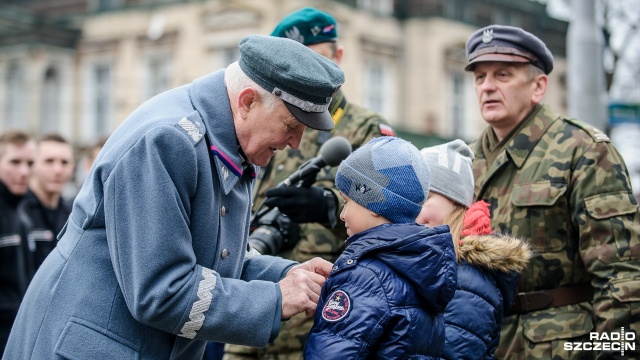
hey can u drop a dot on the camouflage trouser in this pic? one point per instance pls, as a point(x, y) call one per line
point(543, 334)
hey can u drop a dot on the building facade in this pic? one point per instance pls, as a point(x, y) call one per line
point(81, 66)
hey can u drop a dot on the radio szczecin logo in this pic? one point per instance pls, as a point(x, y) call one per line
point(615, 341)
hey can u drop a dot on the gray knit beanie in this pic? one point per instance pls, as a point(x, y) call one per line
point(451, 174)
point(388, 176)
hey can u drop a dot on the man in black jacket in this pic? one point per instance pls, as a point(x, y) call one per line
point(44, 205)
point(16, 158)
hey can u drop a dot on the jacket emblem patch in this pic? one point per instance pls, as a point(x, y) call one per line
point(337, 306)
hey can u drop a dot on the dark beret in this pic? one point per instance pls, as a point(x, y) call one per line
point(508, 44)
point(307, 26)
point(305, 80)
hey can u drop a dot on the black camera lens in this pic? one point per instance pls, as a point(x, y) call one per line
point(266, 239)
point(276, 233)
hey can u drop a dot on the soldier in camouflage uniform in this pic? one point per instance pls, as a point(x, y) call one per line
point(561, 184)
point(318, 31)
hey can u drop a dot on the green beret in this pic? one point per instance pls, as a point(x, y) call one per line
point(508, 44)
point(307, 26)
point(305, 80)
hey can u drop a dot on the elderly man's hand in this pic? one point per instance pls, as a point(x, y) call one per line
point(301, 287)
point(316, 265)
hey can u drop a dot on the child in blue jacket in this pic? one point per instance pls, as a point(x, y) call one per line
point(489, 264)
point(388, 289)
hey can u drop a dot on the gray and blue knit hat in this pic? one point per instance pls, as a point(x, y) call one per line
point(388, 176)
point(451, 173)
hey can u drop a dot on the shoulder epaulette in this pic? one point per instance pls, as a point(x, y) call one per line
point(194, 128)
point(596, 134)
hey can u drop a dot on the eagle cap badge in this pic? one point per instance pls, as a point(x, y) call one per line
point(487, 36)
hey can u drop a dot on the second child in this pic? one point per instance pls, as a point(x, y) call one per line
point(387, 291)
point(488, 264)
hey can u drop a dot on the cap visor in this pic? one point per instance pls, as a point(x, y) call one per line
point(314, 120)
point(496, 57)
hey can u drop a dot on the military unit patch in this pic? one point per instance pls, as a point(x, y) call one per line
point(295, 34)
point(386, 130)
point(328, 28)
point(337, 306)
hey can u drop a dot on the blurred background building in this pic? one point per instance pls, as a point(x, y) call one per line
point(81, 66)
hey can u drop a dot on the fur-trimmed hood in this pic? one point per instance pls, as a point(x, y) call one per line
point(488, 275)
point(495, 252)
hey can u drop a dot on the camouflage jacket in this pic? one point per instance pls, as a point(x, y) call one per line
point(356, 124)
point(561, 184)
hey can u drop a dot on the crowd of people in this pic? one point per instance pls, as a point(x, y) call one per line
point(509, 247)
point(34, 176)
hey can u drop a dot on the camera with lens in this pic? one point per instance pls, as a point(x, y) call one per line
point(273, 233)
point(271, 230)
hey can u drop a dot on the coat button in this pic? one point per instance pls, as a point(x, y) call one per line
point(223, 211)
point(224, 253)
point(334, 268)
point(277, 92)
point(225, 173)
point(349, 262)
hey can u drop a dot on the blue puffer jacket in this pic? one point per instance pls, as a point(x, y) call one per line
point(385, 296)
point(488, 275)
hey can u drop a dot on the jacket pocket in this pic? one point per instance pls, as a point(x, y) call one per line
point(547, 333)
point(607, 214)
point(626, 290)
point(81, 340)
point(540, 214)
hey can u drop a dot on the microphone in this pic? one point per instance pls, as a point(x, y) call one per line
point(332, 152)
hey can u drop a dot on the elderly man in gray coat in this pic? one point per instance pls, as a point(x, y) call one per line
point(154, 259)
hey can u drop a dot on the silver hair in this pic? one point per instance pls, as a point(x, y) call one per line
point(235, 79)
point(533, 71)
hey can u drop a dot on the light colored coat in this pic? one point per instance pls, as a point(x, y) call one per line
point(154, 257)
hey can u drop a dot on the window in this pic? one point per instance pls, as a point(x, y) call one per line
point(158, 75)
point(15, 111)
point(453, 10)
point(375, 84)
point(230, 55)
point(50, 106)
point(380, 7)
point(457, 104)
point(501, 16)
point(106, 4)
point(463, 100)
point(101, 101)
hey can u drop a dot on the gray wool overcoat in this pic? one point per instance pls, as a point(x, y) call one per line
point(154, 258)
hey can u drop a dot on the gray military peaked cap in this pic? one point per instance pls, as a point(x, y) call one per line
point(508, 44)
point(305, 80)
